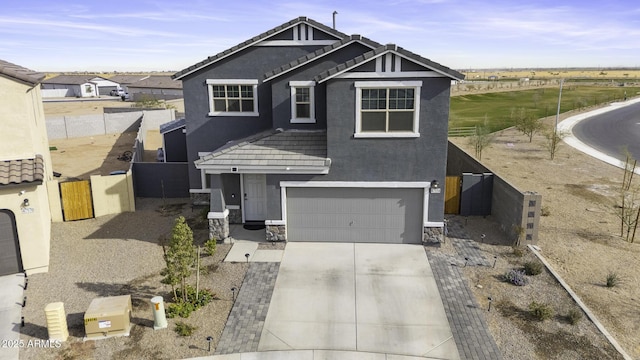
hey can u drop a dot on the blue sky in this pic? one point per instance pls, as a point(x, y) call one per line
point(89, 35)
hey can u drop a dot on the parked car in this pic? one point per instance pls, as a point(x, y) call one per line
point(117, 92)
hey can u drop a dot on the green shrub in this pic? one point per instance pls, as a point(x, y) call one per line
point(193, 303)
point(540, 311)
point(612, 279)
point(518, 251)
point(516, 277)
point(210, 246)
point(574, 316)
point(532, 268)
point(184, 329)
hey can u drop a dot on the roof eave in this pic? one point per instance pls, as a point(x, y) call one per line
point(264, 169)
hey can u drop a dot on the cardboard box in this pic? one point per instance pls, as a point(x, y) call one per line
point(108, 316)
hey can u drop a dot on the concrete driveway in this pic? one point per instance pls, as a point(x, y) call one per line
point(377, 298)
point(11, 292)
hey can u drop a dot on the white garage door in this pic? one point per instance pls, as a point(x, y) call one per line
point(365, 215)
point(10, 262)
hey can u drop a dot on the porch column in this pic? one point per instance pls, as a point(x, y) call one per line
point(218, 214)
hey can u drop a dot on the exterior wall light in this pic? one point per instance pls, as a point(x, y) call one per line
point(435, 187)
point(25, 202)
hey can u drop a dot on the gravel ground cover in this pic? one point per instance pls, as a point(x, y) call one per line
point(120, 255)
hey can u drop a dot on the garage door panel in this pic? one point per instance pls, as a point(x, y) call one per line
point(375, 215)
point(10, 262)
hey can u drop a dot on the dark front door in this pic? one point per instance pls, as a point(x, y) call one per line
point(10, 259)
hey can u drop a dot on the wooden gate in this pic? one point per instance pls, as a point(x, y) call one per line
point(452, 195)
point(76, 200)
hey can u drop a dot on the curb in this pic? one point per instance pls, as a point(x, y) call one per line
point(582, 305)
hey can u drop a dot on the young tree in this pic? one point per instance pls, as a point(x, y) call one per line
point(481, 139)
point(554, 138)
point(526, 123)
point(629, 209)
point(180, 256)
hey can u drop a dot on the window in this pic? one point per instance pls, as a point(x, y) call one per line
point(233, 97)
point(302, 102)
point(387, 108)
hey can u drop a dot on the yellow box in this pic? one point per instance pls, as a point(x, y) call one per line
point(108, 316)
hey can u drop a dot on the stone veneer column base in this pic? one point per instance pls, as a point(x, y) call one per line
point(219, 228)
point(276, 233)
point(432, 236)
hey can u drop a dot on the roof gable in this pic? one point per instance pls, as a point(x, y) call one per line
point(319, 54)
point(382, 51)
point(301, 29)
point(20, 73)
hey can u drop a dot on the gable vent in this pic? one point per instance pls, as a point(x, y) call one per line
point(302, 32)
point(389, 63)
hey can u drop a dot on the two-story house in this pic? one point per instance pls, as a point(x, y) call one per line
point(320, 135)
point(25, 168)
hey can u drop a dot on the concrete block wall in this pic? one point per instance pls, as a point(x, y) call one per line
point(513, 209)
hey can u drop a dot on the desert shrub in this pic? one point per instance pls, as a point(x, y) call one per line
point(184, 329)
point(574, 316)
point(532, 268)
point(518, 251)
point(193, 302)
point(540, 311)
point(516, 277)
point(612, 279)
point(544, 211)
point(210, 246)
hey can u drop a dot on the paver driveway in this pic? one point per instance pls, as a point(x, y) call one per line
point(378, 298)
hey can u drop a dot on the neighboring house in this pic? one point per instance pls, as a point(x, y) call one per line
point(174, 141)
point(320, 135)
point(77, 86)
point(126, 80)
point(25, 167)
point(156, 87)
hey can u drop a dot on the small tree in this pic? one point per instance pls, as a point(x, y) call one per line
point(526, 123)
point(554, 138)
point(629, 209)
point(180, 257)
point(481, 139)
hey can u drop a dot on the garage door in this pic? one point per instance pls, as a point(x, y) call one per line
point(10, 262)
point(366, 215)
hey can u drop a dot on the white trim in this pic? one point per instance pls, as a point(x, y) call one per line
point(232, 207)
point(199, 191)
point(364, 135)
point(217, 214)
point(383, 75)
point(309, 33)
point(416, 85)
point(295, 33)
point(232, 82)
point(437, 224)
point(425, 206)
point(312, 104)
point(387, 84)
point(275, 222)
point(261, 169)
point(397, 60)
point(297, 42)
point(203, 181)
point(240, 82)
point(317, 57)
point(358, 184)
point(379, 65)
point(388, 62)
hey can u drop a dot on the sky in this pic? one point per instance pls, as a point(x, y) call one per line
point(160, 35)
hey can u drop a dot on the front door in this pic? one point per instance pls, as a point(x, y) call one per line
point(255, 197)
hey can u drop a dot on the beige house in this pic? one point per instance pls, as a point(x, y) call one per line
point(25, 170)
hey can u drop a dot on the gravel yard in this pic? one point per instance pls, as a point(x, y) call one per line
point(120, 255)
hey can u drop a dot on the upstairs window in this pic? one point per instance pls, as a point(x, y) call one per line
point(233, 97)
point(387, 109)
point(302, 101)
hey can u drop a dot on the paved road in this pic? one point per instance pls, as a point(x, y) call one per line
point(610, 131)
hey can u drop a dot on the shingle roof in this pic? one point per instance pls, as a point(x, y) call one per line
point(69, 79)
point(172, 125)
point(157, 82)
point(273, 148)
point(22, 171)
point(319, 53)
point(127, 79)
point(384, 49)
point(20, 73)
point(255, 39)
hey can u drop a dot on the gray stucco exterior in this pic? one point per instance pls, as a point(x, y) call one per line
point(387, 162)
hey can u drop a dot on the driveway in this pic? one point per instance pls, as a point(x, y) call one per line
point(379, 298)
point(11, 292)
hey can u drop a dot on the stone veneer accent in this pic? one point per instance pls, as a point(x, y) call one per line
point(276, 233)
point(235, 216)
point(432, 235)
point(219, 228)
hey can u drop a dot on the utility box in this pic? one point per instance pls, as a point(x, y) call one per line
point(108, 316)
point(56, 321)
